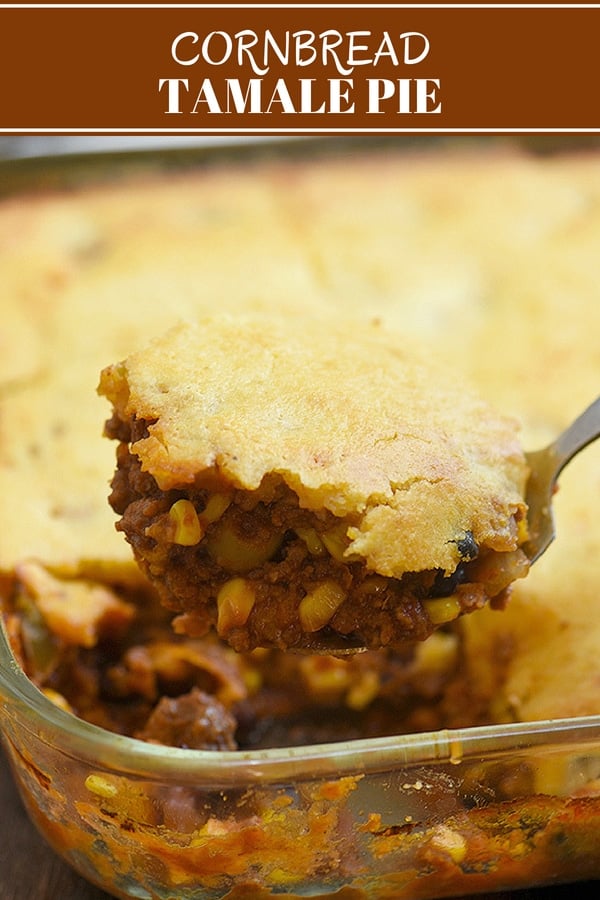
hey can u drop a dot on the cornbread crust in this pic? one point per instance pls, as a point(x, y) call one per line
point(358, 427)
point(484, 251)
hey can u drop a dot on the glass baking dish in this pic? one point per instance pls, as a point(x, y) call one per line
point(427, 815)
point(424, 815)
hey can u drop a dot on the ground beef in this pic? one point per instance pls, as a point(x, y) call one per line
point(260, 544)
point(148, 682)
point(195, 721)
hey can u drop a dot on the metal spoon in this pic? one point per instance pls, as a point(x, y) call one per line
point(545, 465)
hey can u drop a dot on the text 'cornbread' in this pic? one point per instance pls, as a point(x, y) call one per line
point(281, 479)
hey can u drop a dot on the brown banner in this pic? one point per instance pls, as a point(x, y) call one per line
point(290, 69)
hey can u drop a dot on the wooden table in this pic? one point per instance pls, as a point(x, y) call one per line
point(29, 870)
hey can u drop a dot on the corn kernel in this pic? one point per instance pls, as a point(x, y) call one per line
point(235, 602)
point(100, 786)
point(336, 541)
point(442, 609)
point(281, 876)
point(450, 842)
point(188, 530)
point(57, 699)
point(437, 654)
point(522, 530)
point(253, 680)
point(325, 676)
point(319, 605)
point(313, 542)
point(364, 691)
point(239, 553)
point(215, 507)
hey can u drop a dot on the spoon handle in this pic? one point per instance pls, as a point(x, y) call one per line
point(545, 467)
point(578, 435)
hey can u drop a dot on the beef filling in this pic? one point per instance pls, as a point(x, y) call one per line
point(265, 572)
point(194, 721)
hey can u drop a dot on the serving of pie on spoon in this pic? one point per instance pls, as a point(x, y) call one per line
point(312, 486)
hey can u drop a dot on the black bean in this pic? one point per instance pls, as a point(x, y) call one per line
point(444, 585)
point(467, 546)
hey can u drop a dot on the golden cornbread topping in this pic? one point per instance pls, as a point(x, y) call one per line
point(283, 480)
